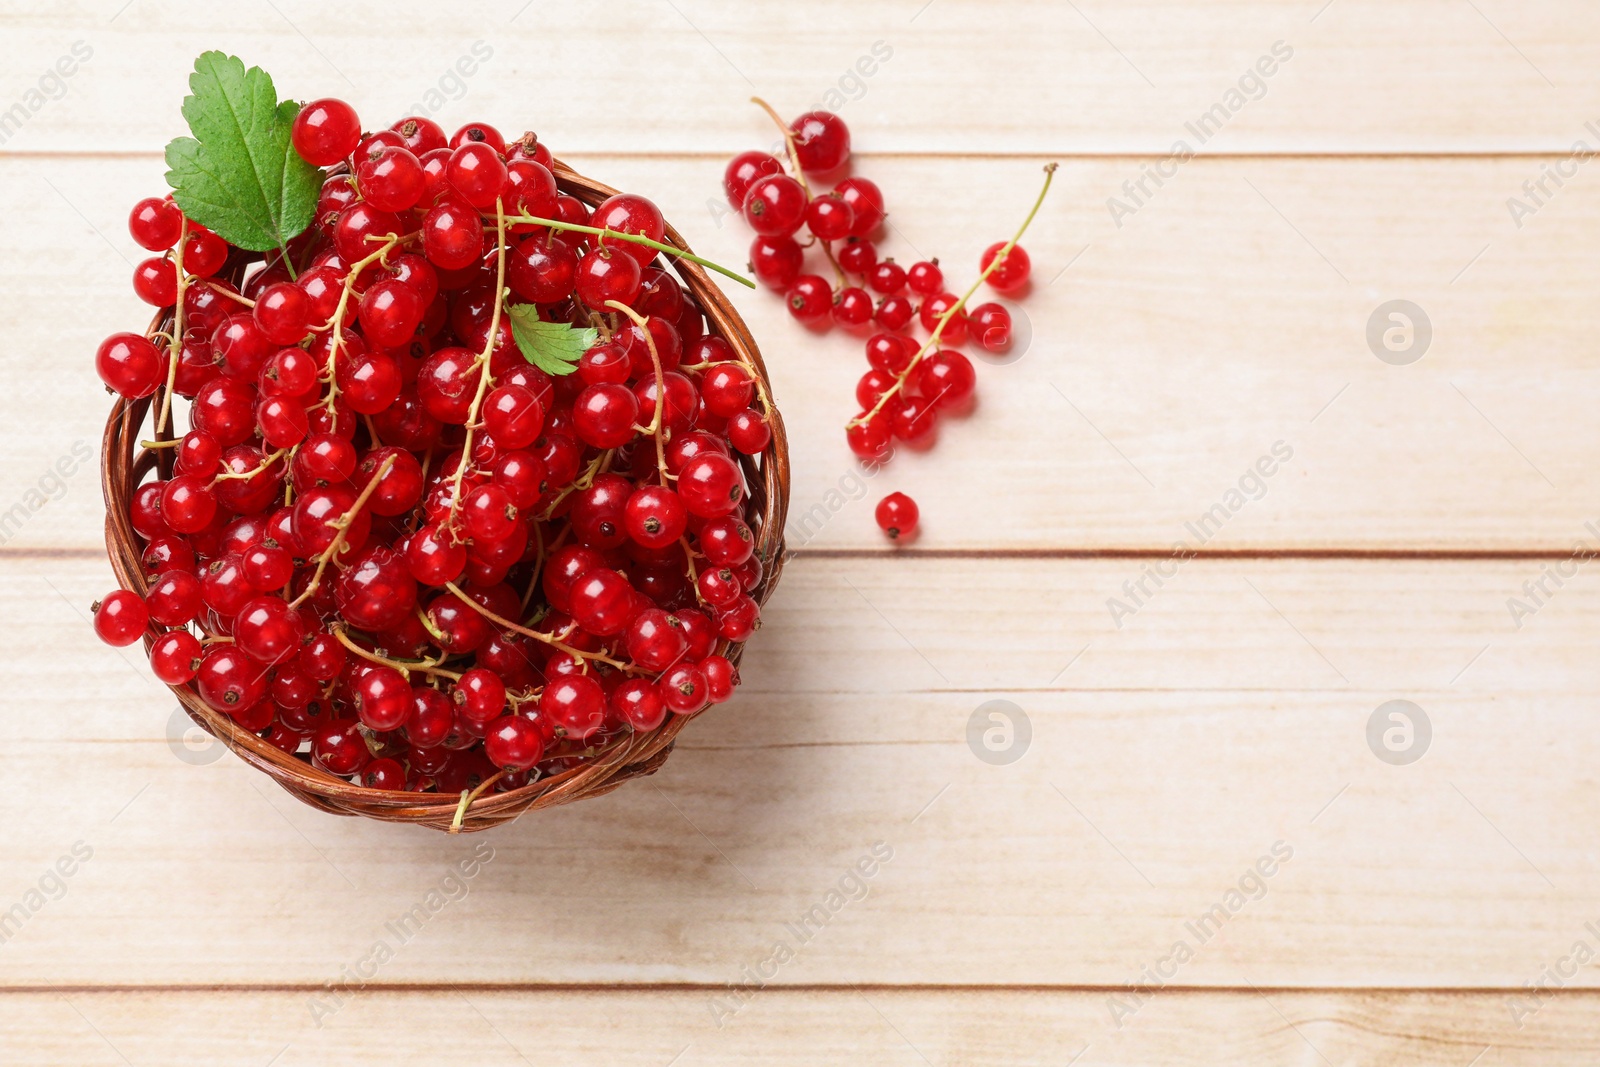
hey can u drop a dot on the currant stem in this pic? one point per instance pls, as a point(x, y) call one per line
point(404, 666)
point(556, 225)
point(342, 524)
point(481, 364)
point(336, 323)
point(654, 429)
point(553, 642)
point(955, 309)
point(175, 347)
point(788, 140)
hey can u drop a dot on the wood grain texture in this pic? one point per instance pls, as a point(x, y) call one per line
point(1171, 355)
point(1165, 761)
point(784, 1027)
point(1365, 75)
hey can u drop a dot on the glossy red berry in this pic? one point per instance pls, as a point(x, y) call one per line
point(604, 415)
point(268, 629)
point(749, 432)
point(604, 276)
point(630, 213)
point(887, 277)
point(1012, 273)
point(121, 618)
point(946, 379)
point(866, 201)
point(325, 132)
point(742, 172)
point(925, 278)
point(934, 309)
point(776, 261)
point(684, 689)
point(513, 742)
point(990, 326)
point(830, 218)
point(340, 748)
point(129, 364)
point(655, 640)
point(722, 678)
point(452, 236)
point(852, 307)
point(391, 179)
point(638, 703)
point(283, 313)
point(155, 281)
point(822, 141)
point(710, 485)
point(175, 657)
point(858, 256)
point(810, 298)
point(775, 205)
point(574, 704)
point(477, 173)
point(655, 516)
point(174, 598)
point(155, 223)
point(897, 516)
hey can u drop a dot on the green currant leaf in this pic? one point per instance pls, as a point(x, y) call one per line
point(553, 347)
point(239, 175)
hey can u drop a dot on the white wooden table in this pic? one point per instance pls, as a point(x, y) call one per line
point(208, 918)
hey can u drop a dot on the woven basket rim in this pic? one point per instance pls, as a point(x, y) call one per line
point(124, 466)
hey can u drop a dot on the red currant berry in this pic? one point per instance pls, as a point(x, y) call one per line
point(858, 256)
point(887, 277)
point(776, 261)
point(530, 189)
point(480, 132)
point(726, 389)
point(934, 309)
point(268, 629)
point(391, 179)
point(362, 230)
point(514, 743)
point(722, 678)
point(204, 252)
point(155, 281)
point(710, 485)
point(477, 172)
point(810, 298)
point(655, 516)
point(897, 516)
point(383, 698)
point(121, 618)
point(431, 717)
point(726, 542)
point(1012, 273)
point(230, 681)
point(683, 689)
point(129, 364)
point(830, 218)
point(739, 620)
point(718, 587)
point(775, 205)
point(188, 504)
point(914, 420)
point(340, 748)
point(283, 313)
point(852, 307)
point(603, 276)
point(386, 774)
point(390, 313)
point(946, 379)
point(925, 278)
point(749, 432)
point(655, 640)
point(376, 591)
point(866, 201)
point(435, 557)
point(990, 325)
point(602, 602)
point(155, 223)
point(268, 566)
point(638, 703)
point(894, 314)
point(743, 171)
point(575, 704)
point(174, 598)
point(420, 134)
point(514, 416)
point(890, 353)
point(629, 213)
point(452, 236)
point(542, 269)
point(603, 416)
point(175, 657)
point(323, 657)
point(290, 372)
point(325, 132)
point(868, 438)
point(872, 386)
point(821, 140)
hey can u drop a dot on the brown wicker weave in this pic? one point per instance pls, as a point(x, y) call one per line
point(125, 465)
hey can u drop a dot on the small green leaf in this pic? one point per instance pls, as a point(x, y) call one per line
point(239, 175)
point(553, 347)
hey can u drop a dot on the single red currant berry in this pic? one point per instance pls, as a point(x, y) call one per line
point(155, 223)
point(810, 298)
point(866, 201)
point(420, 134)
point(432, 716)
point(739, 620)
point(268, 629)
point(230, 681)
point(604, 276)
point(897, 516)
point(530, 189)
point(386, 774)
point(167, 553)
point(743, 171)
point(914, 420)
point(869, 438)
point(602, 602)
point(934, 309)
point(542, 269)
point(490, 514)
point(726, 542)
point(174, 598)
point(391, 179)
point(514, 416)
point(655, 516)
point(990, 325)
point(852, 307)
point(821, 140)
point(323, 657)
point(749, 432)
point(575, 704)
point(858, 256)
point(895, 313)
point(710, 485)
point(121, 618)
point(188, 504)
point(722, 678)
point(925, 278)
point(603, 416)
point(513, 742)
point(1013, 270)
point(638, 703)
point(268, 566)
point(655, 640)
point(776, 261)
point(946, 379)
point(390, 313)
point(477, 172)
point(155, 281)
point(290, 372)
point(683, 689)
point(282, 421)
point(340, 748)
point(775, 205)
point(376, 592)
point(718, 587)
point(829, 218)
point(283, 313)
point(435, 557)
point(204, 252)
point(480, 132)
point(522, 475)
point(872, 386)
point(129, 364)
point(175, 657)
point(887, 277)
point(383, 698)
point(630, 213)
point(452, 236)
point(726, 388)
point(890, 353)
point(325, 132)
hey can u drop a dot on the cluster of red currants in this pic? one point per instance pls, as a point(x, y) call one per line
point(909, 384)
point(392, 543)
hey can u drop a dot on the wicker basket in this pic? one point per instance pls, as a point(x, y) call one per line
point(125, 465)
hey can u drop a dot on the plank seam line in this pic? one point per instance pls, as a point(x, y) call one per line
point(847, 988)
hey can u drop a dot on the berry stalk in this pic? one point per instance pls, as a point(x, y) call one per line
point(932, 343)
point(556, 226)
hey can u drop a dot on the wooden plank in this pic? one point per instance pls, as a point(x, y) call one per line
point(779, 1026)
point(1170, 358)
point(1362, 75)
point(1165, 762)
